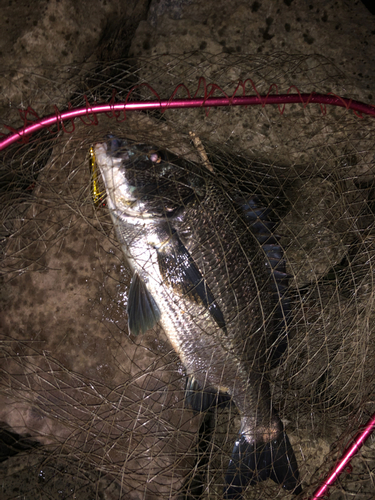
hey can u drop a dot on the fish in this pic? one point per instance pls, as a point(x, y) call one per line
point(206, 267)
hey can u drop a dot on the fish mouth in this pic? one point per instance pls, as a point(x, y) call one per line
point(120, 198)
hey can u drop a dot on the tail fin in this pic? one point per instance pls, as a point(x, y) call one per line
point(254, 462)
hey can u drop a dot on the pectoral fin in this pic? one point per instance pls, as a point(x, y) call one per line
point(179, 270)
point(143, 312)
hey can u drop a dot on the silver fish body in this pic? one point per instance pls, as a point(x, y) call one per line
point(200, 272)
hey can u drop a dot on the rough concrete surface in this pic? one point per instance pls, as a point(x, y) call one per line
point(108, 408)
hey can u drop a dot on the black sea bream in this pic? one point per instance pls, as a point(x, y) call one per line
point(201, 273)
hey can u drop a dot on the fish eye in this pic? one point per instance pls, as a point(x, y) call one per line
point(155, 158)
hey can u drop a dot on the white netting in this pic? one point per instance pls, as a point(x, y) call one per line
point(108, 407)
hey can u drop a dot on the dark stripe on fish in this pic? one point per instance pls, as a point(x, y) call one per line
point(180, 272)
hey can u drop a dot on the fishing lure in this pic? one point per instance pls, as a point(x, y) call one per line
point(98, 196)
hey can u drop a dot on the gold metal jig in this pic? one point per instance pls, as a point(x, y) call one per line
point(97, 195)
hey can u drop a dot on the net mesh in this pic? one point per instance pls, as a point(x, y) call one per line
point(107, 407)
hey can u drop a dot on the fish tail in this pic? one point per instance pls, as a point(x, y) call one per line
point(253, 462)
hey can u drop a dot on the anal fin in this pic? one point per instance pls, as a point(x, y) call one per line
point(202, 399)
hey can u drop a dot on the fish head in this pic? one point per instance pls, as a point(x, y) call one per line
point(144, 181)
